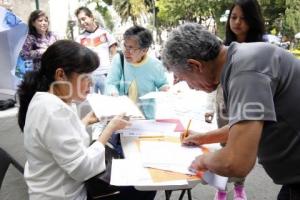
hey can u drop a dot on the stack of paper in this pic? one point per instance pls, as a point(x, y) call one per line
point(169, 156)
point(215, 180)
point(177, 158)
point(154, 95)
point(131, 172)
point(108, 106)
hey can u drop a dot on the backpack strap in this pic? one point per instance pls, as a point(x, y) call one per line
point(122, 67)
point(122, 60)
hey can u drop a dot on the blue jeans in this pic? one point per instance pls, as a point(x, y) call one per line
point(99, 83)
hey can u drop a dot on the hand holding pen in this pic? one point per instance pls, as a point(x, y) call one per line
point(185, 134)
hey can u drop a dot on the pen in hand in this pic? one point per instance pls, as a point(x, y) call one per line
point(186, 132)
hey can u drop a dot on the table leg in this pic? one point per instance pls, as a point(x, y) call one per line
point(168, 194)
point(182, 194)
point(189, 194)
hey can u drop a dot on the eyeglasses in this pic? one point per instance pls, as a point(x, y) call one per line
point(130, 50)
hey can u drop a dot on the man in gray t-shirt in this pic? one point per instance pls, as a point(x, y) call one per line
point(260, 83)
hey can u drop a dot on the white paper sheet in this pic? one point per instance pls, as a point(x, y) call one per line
point(148, 128)
point(154, 95)
point(108, 106)
point(126, 172)
point(215, 180)
point(172, 93)
point(168, 155)
point(174, 157)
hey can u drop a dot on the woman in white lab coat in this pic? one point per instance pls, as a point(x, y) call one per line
point(59, 155)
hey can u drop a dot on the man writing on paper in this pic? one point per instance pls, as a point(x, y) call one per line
point(259, 82)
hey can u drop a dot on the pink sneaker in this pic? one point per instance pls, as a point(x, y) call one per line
point(220, 195)
point(239, 193)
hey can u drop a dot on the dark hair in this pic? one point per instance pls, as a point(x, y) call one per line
point(143, 36)
point(86, 10)
point(68, 55)
point(254, 19)
point(34, 16)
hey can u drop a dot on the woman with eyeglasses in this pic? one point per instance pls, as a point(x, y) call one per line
point(140, 74)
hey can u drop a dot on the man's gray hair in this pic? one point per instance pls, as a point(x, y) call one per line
point(189, 41)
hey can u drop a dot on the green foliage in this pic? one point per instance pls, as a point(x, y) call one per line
point(130, 9)
point(106, 16)
point(138, 7)
point(123, 8)
point(103, 11)
point(292, 18)
point(280, 15)
point(218, 9)
point(108, 2)
point(171, 12)
point(273, 11)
